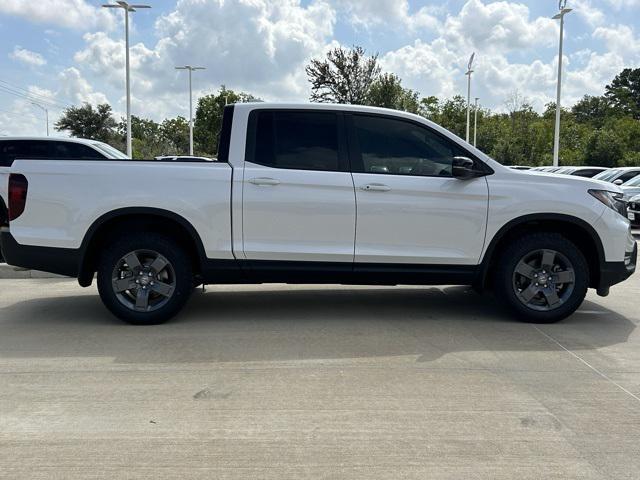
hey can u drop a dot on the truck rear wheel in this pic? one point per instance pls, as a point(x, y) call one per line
point(543, 277)
point(144, 279)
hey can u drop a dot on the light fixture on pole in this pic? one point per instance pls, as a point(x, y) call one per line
point(127, 9)
point(468, 74)
point(46, 114)
point(562, 6)
point(475, 122)
point(191, 70)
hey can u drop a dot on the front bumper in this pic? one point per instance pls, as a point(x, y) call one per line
point(63, 261)
point(612, 273)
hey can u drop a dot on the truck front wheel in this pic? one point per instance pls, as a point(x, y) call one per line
point(543, 277)
point(144, 279)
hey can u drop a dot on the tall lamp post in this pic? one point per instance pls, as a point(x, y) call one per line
point(46, 114)
point(562, 6)
point(468, 74)
point(475, 122)
point(191, 69)
point(127, 9)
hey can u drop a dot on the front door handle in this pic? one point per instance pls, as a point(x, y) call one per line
point(376, 187)
point(264, 181)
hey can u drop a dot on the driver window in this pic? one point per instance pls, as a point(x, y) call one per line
point(396, 147)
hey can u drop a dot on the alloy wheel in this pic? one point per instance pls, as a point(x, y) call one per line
point(143, 280)
point(543, 280)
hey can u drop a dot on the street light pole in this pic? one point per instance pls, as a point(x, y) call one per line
point(191, 69)
point(468, 74)
point(127, 8)
point(475, 122)
point(46, 114)
point(556, 139)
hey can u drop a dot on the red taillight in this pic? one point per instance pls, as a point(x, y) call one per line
point(18, 187)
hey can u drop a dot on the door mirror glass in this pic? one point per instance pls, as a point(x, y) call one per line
point(464, 168)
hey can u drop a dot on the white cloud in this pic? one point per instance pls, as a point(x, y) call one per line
point(259, 46)
point(430, 68)
point(620, 39)
point(498, 26)
point(592, 15)
point(76, 14)
point(76, 88)
point(620, 4)
point(27, 57)
point(390, 13)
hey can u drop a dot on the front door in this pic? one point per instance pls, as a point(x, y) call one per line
point(410, 208)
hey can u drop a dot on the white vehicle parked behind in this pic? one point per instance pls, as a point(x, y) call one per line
point(320, 194)
point(12, 148)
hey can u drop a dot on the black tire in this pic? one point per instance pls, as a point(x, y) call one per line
point(167, 290)
point(551, 300)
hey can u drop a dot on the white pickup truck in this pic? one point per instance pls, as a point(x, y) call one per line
point(319, 194)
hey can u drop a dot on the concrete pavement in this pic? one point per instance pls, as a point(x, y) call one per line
point(280, 382)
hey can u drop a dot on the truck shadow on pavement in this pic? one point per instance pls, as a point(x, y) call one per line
point(270, 325)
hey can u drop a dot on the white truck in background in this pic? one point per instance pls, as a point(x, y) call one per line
point(313, 194)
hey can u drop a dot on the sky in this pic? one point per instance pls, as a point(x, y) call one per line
point(65, 52)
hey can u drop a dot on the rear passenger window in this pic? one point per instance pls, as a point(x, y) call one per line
point(74, 151)
point(296, 140)
point(11, 150)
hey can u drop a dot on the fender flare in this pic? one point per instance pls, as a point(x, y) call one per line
point(85, 276)
point(489, 254)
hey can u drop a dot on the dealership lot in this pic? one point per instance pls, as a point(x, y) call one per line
point(280, 382)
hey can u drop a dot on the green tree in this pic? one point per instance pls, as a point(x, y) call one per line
point(208, 121)
point(387, 92)
point(452, 115)
point(592, 110)
point(603, 148)
point(86, 122)
point(344, 76)
point(175, 132)
point(430, 108)
point(147, 139)
point(624, 92)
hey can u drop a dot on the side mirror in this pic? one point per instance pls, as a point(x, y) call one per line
point(618, 182)
point(463, 168)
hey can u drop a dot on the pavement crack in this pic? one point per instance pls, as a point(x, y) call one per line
point(594, 369)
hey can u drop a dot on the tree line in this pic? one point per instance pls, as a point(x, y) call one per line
point(598, 130)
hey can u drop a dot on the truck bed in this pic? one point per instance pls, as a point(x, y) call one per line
point(73, 194)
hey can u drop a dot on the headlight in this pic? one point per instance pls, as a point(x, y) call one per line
point(613, 200)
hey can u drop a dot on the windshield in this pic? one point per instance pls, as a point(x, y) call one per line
point(607, 175)
point(110, 152)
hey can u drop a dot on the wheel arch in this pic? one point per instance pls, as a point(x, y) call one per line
point(575, 229)
point(139, 219)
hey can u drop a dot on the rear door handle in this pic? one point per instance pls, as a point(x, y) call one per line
point(264, 181)
point(376, 187)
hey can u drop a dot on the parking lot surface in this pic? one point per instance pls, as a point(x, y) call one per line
point(281, 382)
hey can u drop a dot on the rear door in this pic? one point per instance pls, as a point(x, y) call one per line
point(298, 196)
point(410, 208)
